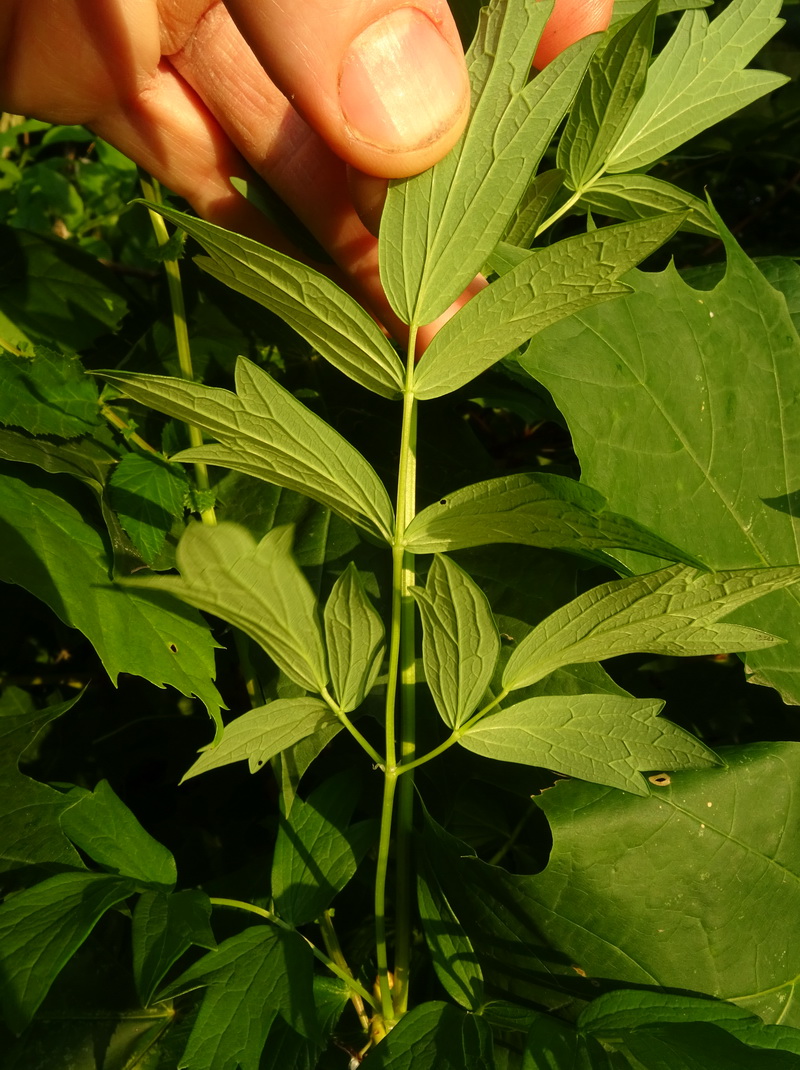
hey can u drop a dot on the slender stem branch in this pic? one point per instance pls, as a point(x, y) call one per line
point(152, 192)
point(116, 421)
point(381, 949)
point(406, 509)
point(454, 737)
point(351, 728)
point(344, 974)
point(334, 949)
point(568, 204)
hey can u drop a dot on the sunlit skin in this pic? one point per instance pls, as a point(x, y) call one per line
point(310, 94)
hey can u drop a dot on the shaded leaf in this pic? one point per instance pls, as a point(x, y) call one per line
point(287, 1048)
point(438, 228)
point(553, 1044)
point(436, 1036)
point(148, 636)
point(250, 979)
point(105, 829)
point(319, 310)
point(317, 851)
point(262, 733)
point(88, 459)
point(605, 739)
point(257, 587)
point(354, 638)
point(47, 393)
point(698, 79)
point(672, 611)
point(164, 927)
point(460, 643)
point(553, 283)
point(533, 207)
point(148, 494)
point(41, 929)
point(29, 811)
point(532, 509)
point(265, 432)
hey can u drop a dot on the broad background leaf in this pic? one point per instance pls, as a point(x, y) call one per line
point(47, 393)
point(436, 1036)
point(687, 389)
point(164, 926)
point(52, 551)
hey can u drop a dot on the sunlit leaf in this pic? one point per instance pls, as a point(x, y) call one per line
point(354, 638)
point(265, 432)
point(605, 739)
point(262, 733)
point(672, 611)
point(460, 643)
point(641, 196)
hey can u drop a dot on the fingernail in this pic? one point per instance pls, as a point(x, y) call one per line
point(401, 85)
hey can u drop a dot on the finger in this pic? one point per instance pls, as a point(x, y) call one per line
point(385, 86)
point(571, 20)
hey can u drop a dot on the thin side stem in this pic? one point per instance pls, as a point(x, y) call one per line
point(121, 425)
point(384, 843)
point(152, 192)
point(454, 737)
point(351, 728)
point(334, 949)
point(345, 975)
point(568, 204)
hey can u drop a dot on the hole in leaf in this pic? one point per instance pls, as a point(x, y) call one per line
point(173, 648)
point(662, 779)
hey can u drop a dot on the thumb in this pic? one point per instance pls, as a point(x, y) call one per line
point(385, 86)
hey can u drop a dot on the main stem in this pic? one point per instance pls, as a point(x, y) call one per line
point(400, 746)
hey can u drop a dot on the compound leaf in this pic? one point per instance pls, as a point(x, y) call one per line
point(438, 228)
point(547, 286)
point(699, 78)
point(460, 642)
point(105, 829)
point(672, 611)
point(535, 510)
point(605, 739)
point(262, 733)
point(164, 927)
point(257, 587)
point(41, 928)
point(355, 640)
point(265, 432)
point(319, 310)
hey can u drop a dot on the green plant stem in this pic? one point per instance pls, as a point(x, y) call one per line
point(568, 204)
point(121, 425)
point(344, 974)
point(351, 728)
point(454, 737)
point(152, 192)
point(384, 844)
point(334, 949)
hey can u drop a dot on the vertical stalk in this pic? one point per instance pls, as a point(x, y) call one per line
point(152, 192)
point(401, 679)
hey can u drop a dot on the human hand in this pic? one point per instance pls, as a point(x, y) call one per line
point(196, 91)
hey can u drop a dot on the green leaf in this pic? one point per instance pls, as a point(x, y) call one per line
point(287, 1050)
point(355, 640)
point(605, 739)
point(258, 193)
point(551, 284)
point(460, 643)
point(553, 1044)
point(672, 611)
point(105, 829)
point(262, 733)
point(85, 458)
point(29, 811)
point(624, 9)
point(696, 1046)
point(438, 229)
point(642, 196)
point(436, 1036)
point(148, 494)
point(250, 979)
point(41, 929)
point(51, 551)
point(533, 207)
point(698, 79)
point(164, 927)
point(265, 432)
point(317, 851)
point(257, 587)
point(628, 1009)
point(534, 510)
point(608, 94)
point(722, 880)
point(319, 310)
point(452, 955)
point(47, 393)
point(54, 294)
point(659, 391)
